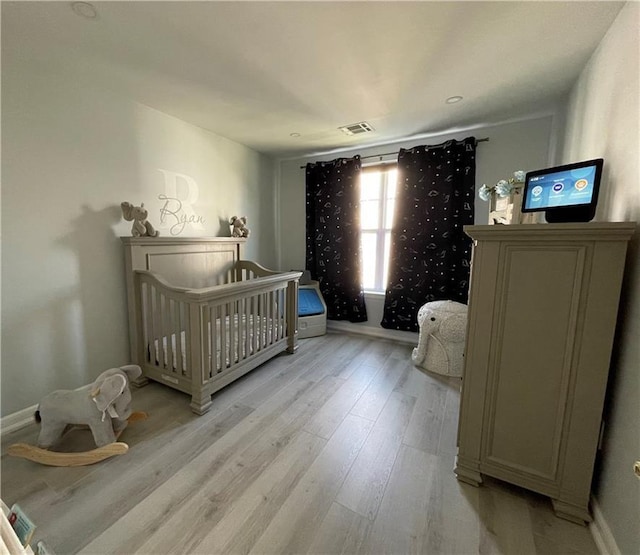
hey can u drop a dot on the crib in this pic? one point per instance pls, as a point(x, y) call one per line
point(200, 317)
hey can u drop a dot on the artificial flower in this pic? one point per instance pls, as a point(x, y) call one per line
point(503, 188)
point(485, 192)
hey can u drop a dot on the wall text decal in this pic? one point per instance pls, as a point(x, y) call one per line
point(181, 193)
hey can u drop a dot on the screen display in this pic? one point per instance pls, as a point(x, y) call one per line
point(565, 187)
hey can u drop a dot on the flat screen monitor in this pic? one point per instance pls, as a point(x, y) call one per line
point(565, 193)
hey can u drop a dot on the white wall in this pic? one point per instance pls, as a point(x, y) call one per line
point(522, 145)
point(71, 154)
point(603, 120)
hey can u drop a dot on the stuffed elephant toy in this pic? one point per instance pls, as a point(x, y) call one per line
point(104, 406)
point(443, 326)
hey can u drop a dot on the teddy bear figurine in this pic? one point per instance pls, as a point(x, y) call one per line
point(239, 227)
point(141, 227)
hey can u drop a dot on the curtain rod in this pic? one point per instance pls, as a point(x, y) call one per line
point(484, 140)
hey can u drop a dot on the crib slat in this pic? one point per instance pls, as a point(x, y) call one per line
point(280, 314)
point(143, 315)
point(254, 324)
point(278, 310)
point(187, 340)
point(276, 295)
point(194, 343)
point(177, 331)
point(238, 323)
point(279, 294)
point(166, 313)
point(285, 307)
point(153, 348)
point(162, 337)
point(270, 311)
point(259, 311)
point(213, 340)
point(204, 347)
point(233, 341)
point(148, 322)
point(223, 336)
point(247, 326)
point(171, 323)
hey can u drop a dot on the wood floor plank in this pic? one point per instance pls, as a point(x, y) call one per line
point(328, 418)
point(365, 484)
point(448, 442)
point(400, 525)
point(294, 526)
point(374, 398)
point(554, 532)
point(279, 374)
point(342, 532)
point(425, 427)
point(452, 520)
point(375, 353)
point(504, 523)
point(252, 512)
point(402, 351)
point(414, 381)
point(343, 352)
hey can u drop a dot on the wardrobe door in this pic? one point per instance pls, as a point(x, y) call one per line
point(538, 295)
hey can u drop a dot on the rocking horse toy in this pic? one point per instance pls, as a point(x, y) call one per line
point(104, 406)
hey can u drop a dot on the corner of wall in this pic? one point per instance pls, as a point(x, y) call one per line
point(557, 134)
point(277, 176)
point(601, 532)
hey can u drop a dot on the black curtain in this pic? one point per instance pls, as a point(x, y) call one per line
point(430, 253)
point(333, 236)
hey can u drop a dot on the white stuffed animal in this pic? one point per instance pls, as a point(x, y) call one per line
point(141, 227)
point(443, 327)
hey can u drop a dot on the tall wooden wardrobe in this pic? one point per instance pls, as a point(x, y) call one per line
point(542, 313)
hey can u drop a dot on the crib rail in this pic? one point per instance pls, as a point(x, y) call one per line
point(247, 269)
point(203, 335)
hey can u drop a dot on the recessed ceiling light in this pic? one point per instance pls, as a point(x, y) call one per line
point(453, 99)
point(84, 9)
point(295, 135)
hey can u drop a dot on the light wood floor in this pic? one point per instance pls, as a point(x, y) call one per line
point(344, 447)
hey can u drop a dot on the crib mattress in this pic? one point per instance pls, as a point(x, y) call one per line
point(242, 347)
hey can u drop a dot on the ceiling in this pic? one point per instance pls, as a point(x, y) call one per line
point(256, 72)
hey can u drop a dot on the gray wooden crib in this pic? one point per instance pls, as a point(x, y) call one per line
point(200, 317)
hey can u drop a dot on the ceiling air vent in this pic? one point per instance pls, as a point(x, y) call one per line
point(356, 128)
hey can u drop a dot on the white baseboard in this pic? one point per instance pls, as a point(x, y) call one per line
point(17, 420)
point(601, 532)
point(405, 337)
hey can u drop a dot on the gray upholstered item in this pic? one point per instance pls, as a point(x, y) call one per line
point(103, 405)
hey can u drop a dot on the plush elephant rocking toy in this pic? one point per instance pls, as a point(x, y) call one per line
point(104, 406)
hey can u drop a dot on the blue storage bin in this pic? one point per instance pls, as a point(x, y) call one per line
point(312, 311)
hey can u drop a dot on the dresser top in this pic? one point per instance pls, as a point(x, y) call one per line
point(590, 231)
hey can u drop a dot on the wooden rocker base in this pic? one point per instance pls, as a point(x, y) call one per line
point(84, 458)
point(54, 458)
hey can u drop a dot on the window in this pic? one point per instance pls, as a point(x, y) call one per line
point(377, 200)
